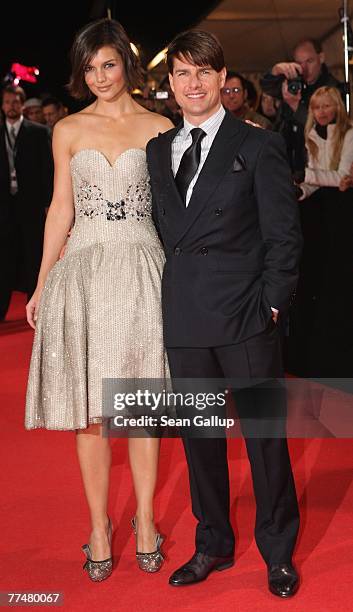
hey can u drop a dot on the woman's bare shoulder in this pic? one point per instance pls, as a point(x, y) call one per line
point(75, 119)
point(161, 123)
point(154, 123)
point(70, 127)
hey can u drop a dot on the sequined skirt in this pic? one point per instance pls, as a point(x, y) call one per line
point(99, 317)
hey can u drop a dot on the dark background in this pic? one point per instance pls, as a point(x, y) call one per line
point(41, 34)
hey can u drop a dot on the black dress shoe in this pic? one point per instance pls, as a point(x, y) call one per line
point(198, 568)
point(283, 580)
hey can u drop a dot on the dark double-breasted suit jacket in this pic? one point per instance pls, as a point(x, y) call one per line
point(233, 252)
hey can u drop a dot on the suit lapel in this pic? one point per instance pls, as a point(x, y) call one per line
point(224, 148)
point(3, 142)
point(167, 172)
point(4, 159)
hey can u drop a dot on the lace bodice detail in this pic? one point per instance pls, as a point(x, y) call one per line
point(106, 194)
point(119, 191)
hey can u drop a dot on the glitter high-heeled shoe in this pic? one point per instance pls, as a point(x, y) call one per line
point(98, 570)
point(149, 562)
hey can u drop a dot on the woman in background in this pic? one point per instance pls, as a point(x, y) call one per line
point(329, 141)
point(321, 334)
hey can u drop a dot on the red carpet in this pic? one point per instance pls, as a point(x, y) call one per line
point(44, 519)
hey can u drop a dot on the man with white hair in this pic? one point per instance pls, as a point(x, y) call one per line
point(33, 110)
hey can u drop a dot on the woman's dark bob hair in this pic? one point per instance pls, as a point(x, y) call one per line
point(88, 41)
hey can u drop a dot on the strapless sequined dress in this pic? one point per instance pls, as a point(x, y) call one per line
point(100, 310)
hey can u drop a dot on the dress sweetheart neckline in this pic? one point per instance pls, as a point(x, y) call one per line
point(111, 165)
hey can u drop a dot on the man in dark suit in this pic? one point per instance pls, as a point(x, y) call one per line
point(26, 183)
point(225, 209)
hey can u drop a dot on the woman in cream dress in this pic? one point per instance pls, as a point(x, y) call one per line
point(97, 311)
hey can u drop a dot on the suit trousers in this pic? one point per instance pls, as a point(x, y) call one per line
point(21, 247)
point(277, 514)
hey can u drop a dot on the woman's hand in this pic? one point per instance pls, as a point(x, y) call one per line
point(33, 306)
point(347, 181)
point(298, 192)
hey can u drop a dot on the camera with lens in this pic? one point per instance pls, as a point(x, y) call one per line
point(155, 94)
point(272, 85)
point(296, 85)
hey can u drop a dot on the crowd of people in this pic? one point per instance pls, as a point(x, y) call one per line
point(47, 111)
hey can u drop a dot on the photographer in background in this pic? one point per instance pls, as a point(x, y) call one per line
point(161, 100)
point(294, 83)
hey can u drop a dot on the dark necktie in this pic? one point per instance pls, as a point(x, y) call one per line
point(13, 136)
point(11, 153)
point(189, 163)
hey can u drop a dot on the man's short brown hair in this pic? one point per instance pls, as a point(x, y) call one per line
point(88, 41)
point(16, 90)
point(197, 47)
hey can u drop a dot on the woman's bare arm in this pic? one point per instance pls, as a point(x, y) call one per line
point(61, 210)
point(60, 215)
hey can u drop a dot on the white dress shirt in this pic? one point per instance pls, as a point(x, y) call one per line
point(15, 125)
point(183, 140)
point(12, 129)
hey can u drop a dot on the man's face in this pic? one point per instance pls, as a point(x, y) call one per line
point(233, 95)
point(35, 113)
point(310, 61)
point(268, 104)
point(12, 106)
point(51, 115)
point(196, 89)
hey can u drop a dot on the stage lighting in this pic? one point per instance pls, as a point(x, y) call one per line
point(24, 73)
point(157, 59)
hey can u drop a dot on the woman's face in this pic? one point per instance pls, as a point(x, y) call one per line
point(324, 109)
point(104, 74)
point(268, 104)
